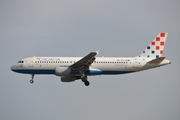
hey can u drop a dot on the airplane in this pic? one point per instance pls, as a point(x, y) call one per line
point(74, 68)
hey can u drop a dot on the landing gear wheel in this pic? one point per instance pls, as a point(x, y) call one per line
point(84, 79)
point(31, 81)
point(86, 83)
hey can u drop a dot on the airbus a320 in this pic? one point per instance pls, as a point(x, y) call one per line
point(74, 68)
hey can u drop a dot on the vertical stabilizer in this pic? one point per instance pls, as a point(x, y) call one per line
point(156, 47)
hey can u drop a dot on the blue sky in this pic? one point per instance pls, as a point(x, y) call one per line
point(119, 28)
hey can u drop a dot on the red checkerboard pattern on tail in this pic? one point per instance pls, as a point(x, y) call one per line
point(156, 47)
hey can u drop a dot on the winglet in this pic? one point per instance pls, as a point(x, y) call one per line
point(97, 51)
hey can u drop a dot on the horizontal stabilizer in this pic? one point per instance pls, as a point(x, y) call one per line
point(157, 60)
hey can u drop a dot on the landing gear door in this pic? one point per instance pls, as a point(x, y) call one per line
point(135, 63)
point(31, 62)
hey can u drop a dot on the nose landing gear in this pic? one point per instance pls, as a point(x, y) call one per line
point(32, 81)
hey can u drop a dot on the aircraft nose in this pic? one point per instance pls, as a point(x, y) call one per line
point(13, 67)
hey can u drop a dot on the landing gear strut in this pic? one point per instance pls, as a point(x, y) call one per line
point(86, 82)
point(32, 81)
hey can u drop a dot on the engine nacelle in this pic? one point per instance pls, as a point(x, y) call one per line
point(69, 78)
point(62, 71)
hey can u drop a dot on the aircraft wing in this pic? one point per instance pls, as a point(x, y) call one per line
point(85, 62)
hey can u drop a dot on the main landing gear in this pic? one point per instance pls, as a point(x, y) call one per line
point(32, 81)
point(86, 82)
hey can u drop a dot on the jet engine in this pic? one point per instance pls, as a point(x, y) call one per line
point(62, 71)
point(69, 78)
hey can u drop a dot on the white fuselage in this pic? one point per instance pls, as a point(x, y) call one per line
point(101, 65)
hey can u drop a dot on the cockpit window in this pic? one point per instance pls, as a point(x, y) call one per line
point(20, 61)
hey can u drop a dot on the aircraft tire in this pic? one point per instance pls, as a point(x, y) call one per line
point(31, 81)
point(86, 83)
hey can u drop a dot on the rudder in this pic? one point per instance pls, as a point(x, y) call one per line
point(156, 47)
